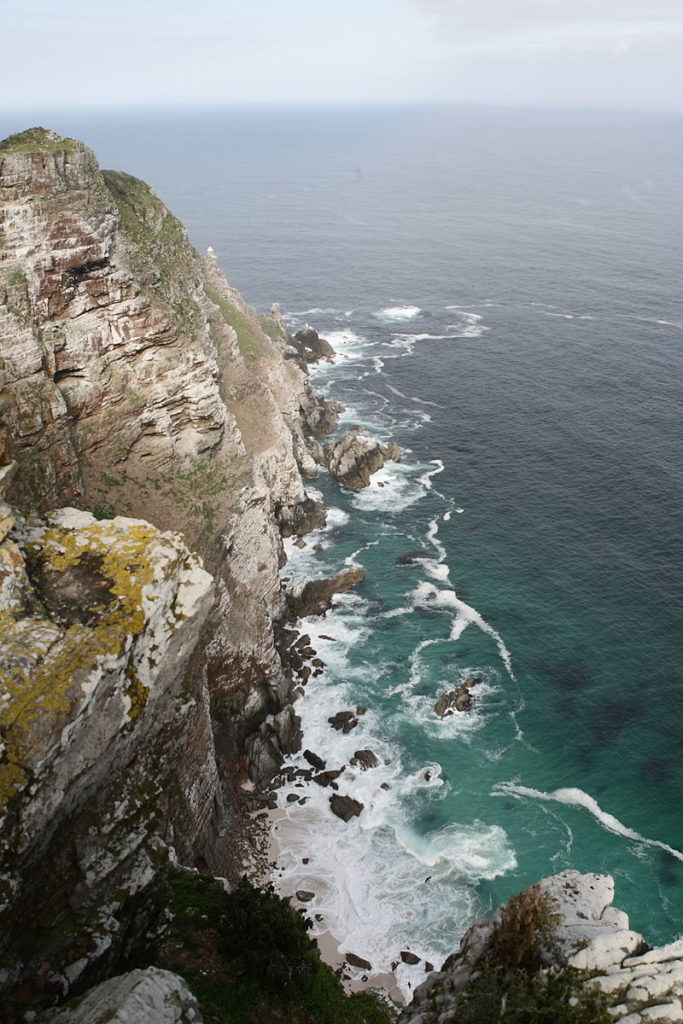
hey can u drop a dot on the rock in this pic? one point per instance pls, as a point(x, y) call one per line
point(455, 700)
point(304, 896)
point(361, 710)
point(311, 346)
point(326, 778)
point(314, 760)
point(314, 597)
point(343, 721)
point(345, 807)
point(292, 798)
point(357, 961)
point(353, 459)
point(365, 759)
point(150, 996)
point(409, 958)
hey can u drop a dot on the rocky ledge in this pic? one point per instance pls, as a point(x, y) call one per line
point(565, 923)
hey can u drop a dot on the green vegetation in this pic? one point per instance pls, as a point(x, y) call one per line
point(511, 984)
point(161, 253)
point(36, 140)
point(248, 335)
point(272, 328)
point(104, 510)
point(248, 959)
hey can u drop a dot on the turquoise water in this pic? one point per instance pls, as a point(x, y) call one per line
point(503, 289)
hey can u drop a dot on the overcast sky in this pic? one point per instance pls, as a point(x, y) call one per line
point(582, 53)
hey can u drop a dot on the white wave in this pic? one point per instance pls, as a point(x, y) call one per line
point(290, 314)
point(398, 313)
point(412, 398)
point(470, 325)
point(430, 596)
point(392, 489)
point(379, 885)
point(352, 559)
point(574, 797)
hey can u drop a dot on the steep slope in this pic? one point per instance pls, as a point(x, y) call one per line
point(136, 690)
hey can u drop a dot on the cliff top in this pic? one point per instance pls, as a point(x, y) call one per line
point(35, 140)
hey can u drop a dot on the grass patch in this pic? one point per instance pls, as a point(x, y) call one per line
point(248, 334)
point(248, 958)
point(36, 140)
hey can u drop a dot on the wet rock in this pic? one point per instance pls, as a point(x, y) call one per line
point(428, 967)
point(343, 721)
point(328, 777)
point(361, 711)
point(365, 759)
point(459, 699)
point(314, 597)
point(314, 760)
point(345, 807)
point(292, 798)
point(357, 961)
point(304, 896)
point(409, 958)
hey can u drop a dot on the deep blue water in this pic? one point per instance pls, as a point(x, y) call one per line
point(504, 289)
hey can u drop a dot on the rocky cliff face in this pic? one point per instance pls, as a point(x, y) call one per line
point(137, 386)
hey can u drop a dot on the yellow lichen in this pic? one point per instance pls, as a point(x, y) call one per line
point(45, 683)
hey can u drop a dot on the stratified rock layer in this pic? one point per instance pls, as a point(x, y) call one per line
point(136, 385)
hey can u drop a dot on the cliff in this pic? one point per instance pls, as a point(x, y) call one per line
point(137, 685)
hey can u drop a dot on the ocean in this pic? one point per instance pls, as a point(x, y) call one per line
point(503, 291)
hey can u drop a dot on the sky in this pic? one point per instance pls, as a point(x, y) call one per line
point(65, 54)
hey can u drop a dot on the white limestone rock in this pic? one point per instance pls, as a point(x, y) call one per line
point(150, 996)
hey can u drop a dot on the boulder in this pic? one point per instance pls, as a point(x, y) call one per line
point(365, 759)
point(343, 721)
point(151, 996)
point(314, 760)
point(357, 961)
point(345, 807)
point(326, 778)
point(409, 958)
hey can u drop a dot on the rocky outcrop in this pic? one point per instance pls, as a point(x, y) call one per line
point(589, 935)
point(459, 699)
point(354, 458)
point(151, 996)
point(311, 346)
point(314, 597)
